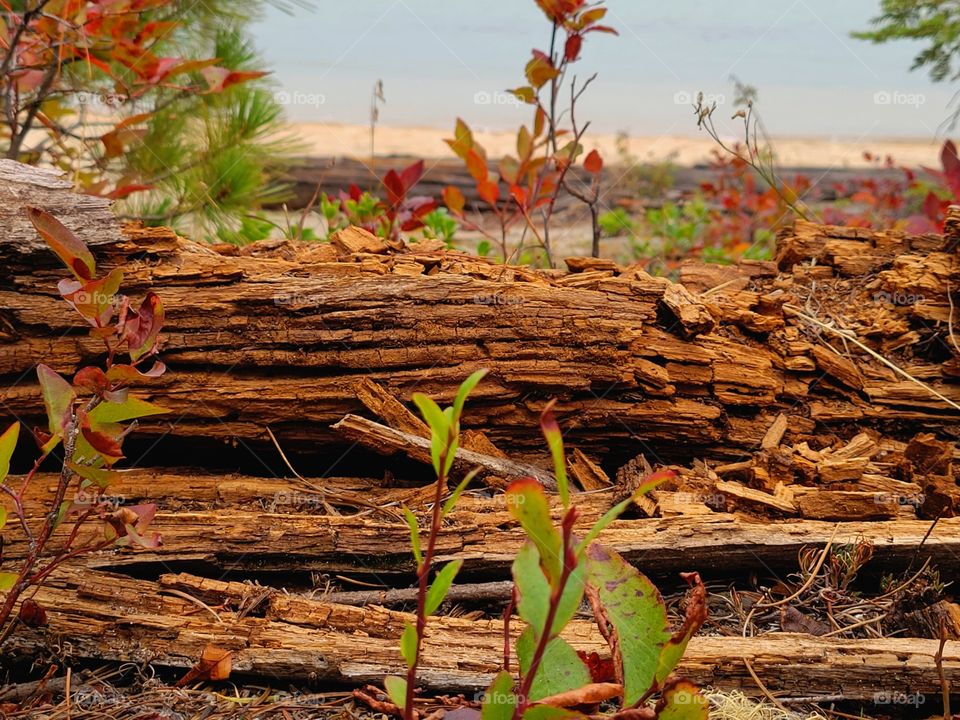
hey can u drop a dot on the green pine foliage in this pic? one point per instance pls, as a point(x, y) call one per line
point(214, 159)
point(935, 21)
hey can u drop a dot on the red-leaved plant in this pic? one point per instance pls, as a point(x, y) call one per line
point(56, 56)
point(525, 187)
point(85, 431)
point(400, 212)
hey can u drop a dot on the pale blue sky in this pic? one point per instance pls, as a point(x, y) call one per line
point(443, 58)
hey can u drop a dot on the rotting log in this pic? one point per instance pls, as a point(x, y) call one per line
point(109, 618)
point(249, 524)
point(279, 334)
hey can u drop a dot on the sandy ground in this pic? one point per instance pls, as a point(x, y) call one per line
point(332, 139)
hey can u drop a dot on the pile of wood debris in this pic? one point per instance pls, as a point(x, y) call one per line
point(808, 402)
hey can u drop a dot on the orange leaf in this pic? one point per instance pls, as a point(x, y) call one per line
point(489, 191)
point(476, 165)
point(454, 199)
point(593, 163)
point(215, 664)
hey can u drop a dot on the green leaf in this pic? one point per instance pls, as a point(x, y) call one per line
point(682, 700)
point(499, 700)
point(3, 517)
point(99, 475)
point(64, 243)
point(414, 535)
point(561, 669)
point(439, 427)
point(534, 602)
point(457, 492)
point(551, 431)
point(7, 580)
point(441, 585)
point(58, 397)
point(408, 644)
point(61, 512)
point(8, 443)
point(396, 688)
point(638, 615)
point(466, 387)
point(528, 504)
point(617, 510)
point(130, 409)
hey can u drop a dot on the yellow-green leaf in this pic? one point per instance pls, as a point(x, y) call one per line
point(441, 585)
point(8, 443)
point(396, 688)
point(130, 409)
point(408, 644)
point(7, 580)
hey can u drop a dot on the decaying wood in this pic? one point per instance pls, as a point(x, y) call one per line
point(280, 336)
point(783, 434)
point(495, 592)
point(111, 618)
point(387, 441)
point(280, 525)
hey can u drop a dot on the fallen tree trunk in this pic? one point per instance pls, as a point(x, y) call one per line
point(249, 524)
point(280, 335)
point(122, 620)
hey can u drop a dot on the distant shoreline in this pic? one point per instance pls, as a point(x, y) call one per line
point(346, 140)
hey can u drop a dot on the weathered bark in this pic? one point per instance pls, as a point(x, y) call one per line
point(286, 637)
point(252, 524)
point(281, 336)
point(738, 376)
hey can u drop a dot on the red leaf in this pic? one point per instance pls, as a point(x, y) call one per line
point(593, 163)
point(219, 79)
point(102, 443)
point(92, 379)
point(32, 614)
point(601, 669)
point(411, 175)
point(122, 192)
point(394, 187)
point(142, 329)
point(932, 207)
point(64, 243)
point(571, 50)
point(489, 192)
